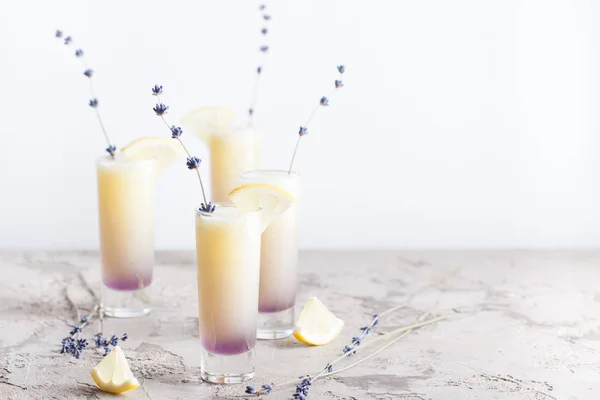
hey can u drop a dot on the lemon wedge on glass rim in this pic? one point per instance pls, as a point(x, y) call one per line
point(113, 374)
point(317, 325)
point(271, 200)
point(206, 121)
point(164, 151)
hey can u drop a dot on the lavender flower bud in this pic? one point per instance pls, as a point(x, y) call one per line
point(78, 53)
point(176, 132)
point(264, 49)
point(193, 162)
point(341, 69)
point(264, 31)
point(156, 90)
point(267, 388)
point(208, 208)
point(324, 101)
point(58, 33)
point(94, 103)
point(68, 40)
point(111, 150)
point(303, 131)
point(338, 84)
point(160, 109)
point(75, 330)
point(88, 72)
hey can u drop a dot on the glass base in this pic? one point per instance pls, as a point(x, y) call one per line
point(276, 325)
point(126, 303)
point(219, 368)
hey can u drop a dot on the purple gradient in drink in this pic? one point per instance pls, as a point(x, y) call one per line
point(230, 347)
point(282, 305)
point(129, 283)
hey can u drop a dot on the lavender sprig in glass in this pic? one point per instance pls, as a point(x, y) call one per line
point(192, 162)
point(264, 49)
point(323, 102)
point(68, 40)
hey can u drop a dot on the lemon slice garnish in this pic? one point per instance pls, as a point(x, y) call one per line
point(317, 325)
point(207, 121)
point(113, 375)
point(164, 151)
point(271, 200)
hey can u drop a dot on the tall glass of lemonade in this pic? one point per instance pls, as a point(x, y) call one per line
point(279, 259)
point(126, 196)
point(126, 210)
point(228, 251)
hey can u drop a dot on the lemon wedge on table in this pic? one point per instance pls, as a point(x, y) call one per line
point(205, 121)
point(164, 151)
point(113, 375)
point(271, 200)
point(317, 325)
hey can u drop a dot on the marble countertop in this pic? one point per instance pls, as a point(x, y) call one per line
point(520, 325)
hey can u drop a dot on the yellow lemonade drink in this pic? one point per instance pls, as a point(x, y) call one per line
point(279, 259)
point(126, 196)
point(228, 261)
point(231, 153)
point(233, 149)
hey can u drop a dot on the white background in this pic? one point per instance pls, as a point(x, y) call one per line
point(463, 124)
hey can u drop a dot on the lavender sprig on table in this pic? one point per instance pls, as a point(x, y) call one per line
point(106, 343)
point(192, 162)
point(74, 346)
point(263, 52)
point(403, 331)
point(357, 340)
point(68, 40)
point(323, 102)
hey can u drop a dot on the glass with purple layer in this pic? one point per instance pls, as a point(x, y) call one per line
point(279, 259)
point(228, 260)
point(126, 193)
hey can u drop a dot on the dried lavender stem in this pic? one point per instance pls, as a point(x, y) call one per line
point(406, 329)
point(96, 109)
point(98, 307)
point(294, 155)
point(258, 73)
point(310, 117)
point(376, 340)
point(188, 154)
point(422, 289)
point(70, 300)
point(376, 317)
point(254, 97)
point(201, 186)
point(404, 334)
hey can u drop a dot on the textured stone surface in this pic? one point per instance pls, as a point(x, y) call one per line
point(522, 325)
